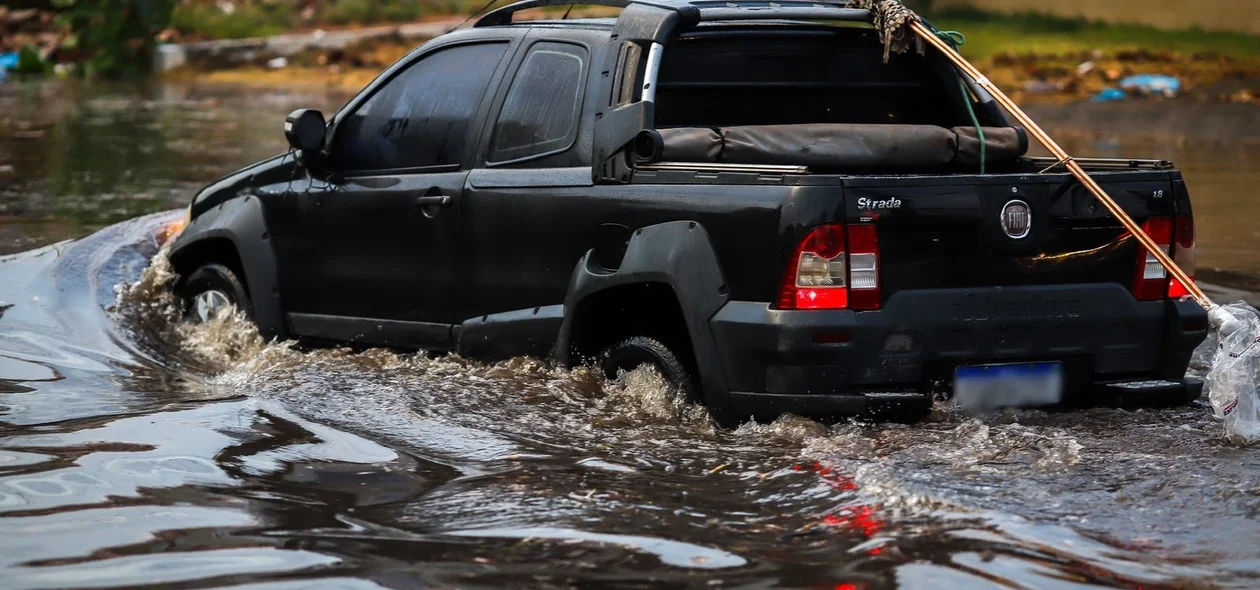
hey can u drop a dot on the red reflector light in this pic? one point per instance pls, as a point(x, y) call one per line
point(1176, 290)
point(829, 298)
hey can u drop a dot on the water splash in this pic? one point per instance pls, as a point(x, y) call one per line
point(150, 307)
point(544, 446)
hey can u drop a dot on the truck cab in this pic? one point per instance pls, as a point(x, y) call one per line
point(750, 196)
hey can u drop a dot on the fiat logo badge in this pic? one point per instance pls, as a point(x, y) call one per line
point(1017, 219)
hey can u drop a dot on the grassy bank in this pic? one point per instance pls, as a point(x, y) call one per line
point(1039, 58)
point(1035, 58)
point(991, 34)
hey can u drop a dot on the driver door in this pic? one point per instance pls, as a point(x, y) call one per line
point(381, 268)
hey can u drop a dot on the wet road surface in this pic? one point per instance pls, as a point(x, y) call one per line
point(138, 452)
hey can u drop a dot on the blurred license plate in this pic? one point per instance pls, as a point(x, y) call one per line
point(989, 387)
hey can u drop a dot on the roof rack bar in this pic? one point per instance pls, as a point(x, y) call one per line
point(651, 71)
point(709, 10)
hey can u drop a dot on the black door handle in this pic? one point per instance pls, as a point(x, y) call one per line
point(433, 201)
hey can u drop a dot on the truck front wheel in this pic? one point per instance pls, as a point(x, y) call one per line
point(209, 291)
point(642, 350)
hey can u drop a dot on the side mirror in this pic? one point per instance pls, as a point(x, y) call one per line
point(305, 129)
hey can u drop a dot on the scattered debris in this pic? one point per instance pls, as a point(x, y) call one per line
point(1043, 87)
point(1039, 78)
point(719, 468)
point(1141, 85)
point(375, 47)
point(168, 36)
point(1110, 95)
point(32, 41)
point(1244, 96)
point(1152, 85)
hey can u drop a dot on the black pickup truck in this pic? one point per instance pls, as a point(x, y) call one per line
point(748, 195)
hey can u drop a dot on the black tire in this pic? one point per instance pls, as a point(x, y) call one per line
point(213, 277)
point(642, 350)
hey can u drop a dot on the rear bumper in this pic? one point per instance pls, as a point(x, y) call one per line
point(845, 363)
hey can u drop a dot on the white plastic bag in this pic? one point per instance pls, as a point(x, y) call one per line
point(1234, 374)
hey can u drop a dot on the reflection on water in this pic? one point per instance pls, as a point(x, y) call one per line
point(137, 452)
point(168, 454)
point(75, 157)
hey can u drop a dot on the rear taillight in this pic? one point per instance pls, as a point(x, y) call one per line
point(834, 268)
point(1152, 281)
point(1184, 253)
point(863, 267)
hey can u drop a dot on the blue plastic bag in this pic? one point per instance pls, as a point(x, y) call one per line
point(1168, 86)
point(1110, 94)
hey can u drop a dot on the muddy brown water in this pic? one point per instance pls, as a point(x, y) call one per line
point(137, 452)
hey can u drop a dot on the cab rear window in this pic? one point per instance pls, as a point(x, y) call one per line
point(754, 77)
point(541, 112)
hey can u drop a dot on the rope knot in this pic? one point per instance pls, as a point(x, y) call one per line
point(892, 19)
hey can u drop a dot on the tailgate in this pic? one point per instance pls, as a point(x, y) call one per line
point(948, 231)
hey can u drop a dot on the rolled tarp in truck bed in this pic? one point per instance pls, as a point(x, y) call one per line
point(834, 146)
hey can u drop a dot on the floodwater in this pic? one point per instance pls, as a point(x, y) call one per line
point(137, 452)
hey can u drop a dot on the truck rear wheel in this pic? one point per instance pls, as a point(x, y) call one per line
point(635, 352)
point(210, 290)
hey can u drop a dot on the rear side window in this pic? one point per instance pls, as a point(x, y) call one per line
point(541, 112)
point(421, 117)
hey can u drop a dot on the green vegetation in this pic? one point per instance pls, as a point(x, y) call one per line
point(989, 34)
point(199, 19)
point(31, 62)
point(115, 37)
